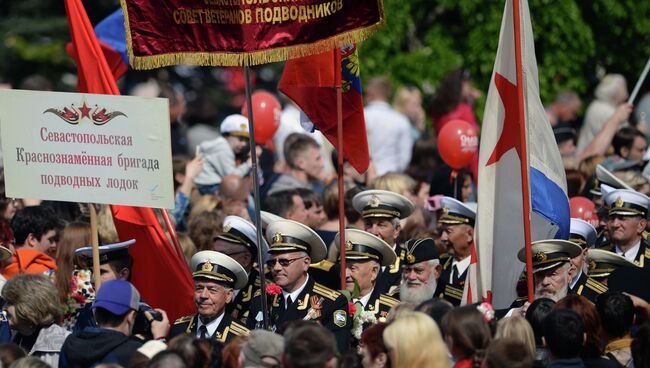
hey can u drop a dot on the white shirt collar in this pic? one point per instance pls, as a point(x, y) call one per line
point(294, 295)
point(364, 299)
point(574, 281)
point(631, 253)
point(461, 265)
point(211, 326)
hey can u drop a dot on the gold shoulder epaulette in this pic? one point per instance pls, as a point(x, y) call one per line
point(183, 319)
point(325, 291)
point(258, 292)
point(596, 286)
point(239, 329)
point(647, 253)
point(387, 300)
point(324, 265)
point(393, 291)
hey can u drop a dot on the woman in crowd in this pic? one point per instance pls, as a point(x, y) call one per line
point(73, 278)
point(413, 340)
point(592, 350)
point(519, 329)
point(33, 309)
point(374, 351)
point(467, 335)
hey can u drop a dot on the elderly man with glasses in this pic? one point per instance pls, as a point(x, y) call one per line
point(292, 248)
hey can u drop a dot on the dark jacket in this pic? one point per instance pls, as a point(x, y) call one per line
point(566, 363)
point(97, 345)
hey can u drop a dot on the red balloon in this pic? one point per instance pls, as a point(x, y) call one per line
point(584, 209)
point(457, 143)
point(266, 115)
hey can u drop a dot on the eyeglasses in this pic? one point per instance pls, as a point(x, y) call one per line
point(283, 262)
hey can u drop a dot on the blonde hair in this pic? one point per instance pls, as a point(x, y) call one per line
point(106, 226)
point(612, 89)
point(35, 299)
point(187, 245)
point(394, 182)
point(414, 340)
point(519, 329)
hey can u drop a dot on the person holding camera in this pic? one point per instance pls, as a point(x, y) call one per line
point(115, 310)
point(216, 277)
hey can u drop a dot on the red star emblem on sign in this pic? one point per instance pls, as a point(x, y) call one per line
point(510, 133)
point(85, 110)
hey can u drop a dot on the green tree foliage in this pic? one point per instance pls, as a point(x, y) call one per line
point(574, 40)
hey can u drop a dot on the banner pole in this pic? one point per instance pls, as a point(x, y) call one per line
point(94, 237)
point(639, 82)
point(172, 234)
point(341, 183)
point(525, 187)
point(256, 197)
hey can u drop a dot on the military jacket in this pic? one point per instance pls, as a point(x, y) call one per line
point(315, 302)
point(452, 292)
point(588, 287)
point(228, 328)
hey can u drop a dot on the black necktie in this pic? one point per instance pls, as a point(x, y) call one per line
point(204, 332)
point(454, 275)
point(288, 303)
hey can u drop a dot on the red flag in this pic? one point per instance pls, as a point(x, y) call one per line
point(310, 82)
point(158, 273)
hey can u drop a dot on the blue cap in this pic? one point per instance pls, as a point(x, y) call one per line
point(117, 297)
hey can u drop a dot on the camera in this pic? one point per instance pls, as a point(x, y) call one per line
point(142, 325)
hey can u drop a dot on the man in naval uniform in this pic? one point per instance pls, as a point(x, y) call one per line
point(239, 241)
point(583, 235)
point(551, 272)
point(457, 235)
point(603, 262)
point(216, 276)
point(292, 247)
point(421, 270)
point(364, 256)
point(381, 211)
point(628, 211)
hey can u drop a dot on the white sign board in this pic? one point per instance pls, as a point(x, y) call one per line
point(86, 148)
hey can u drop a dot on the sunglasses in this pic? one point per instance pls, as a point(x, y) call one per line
point(283, 262)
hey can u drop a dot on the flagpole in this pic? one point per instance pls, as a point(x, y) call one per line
point(525, 186)
point(339, 136)
point(256, 197)
point(639, 82)
point(94, 241)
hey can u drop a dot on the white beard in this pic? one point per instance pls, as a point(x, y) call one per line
point(555, 296)
point(417, 295)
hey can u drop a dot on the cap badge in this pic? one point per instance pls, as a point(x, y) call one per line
point(596, 183)
point(277, 238)
point(242, 126)
point(207, 266)
point(374, 201)
point(445, 210)
point(619, 202)
point(227, 227)
point(592, 265)
point(348, 245)
point(541, 257)
point(410, 258)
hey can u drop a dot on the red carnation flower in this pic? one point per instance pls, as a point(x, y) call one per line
point(273, 289)
point(352, 309)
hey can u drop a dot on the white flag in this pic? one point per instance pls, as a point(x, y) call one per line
point(500, 216)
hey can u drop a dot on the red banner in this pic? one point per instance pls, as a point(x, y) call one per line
point(242, 32)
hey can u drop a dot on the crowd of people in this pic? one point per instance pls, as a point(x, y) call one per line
point(409, 233)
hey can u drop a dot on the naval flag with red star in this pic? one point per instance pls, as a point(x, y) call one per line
point(504, 181)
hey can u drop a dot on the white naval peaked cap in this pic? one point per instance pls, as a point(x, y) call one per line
point(235, 124)
point(290, 236)
point(218, 267)
point(582, 233)
point(382, 204)
point(626, 202)
point(455, 212)
point(361, 245)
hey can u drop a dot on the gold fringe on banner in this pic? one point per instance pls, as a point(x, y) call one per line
point(222, 58)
